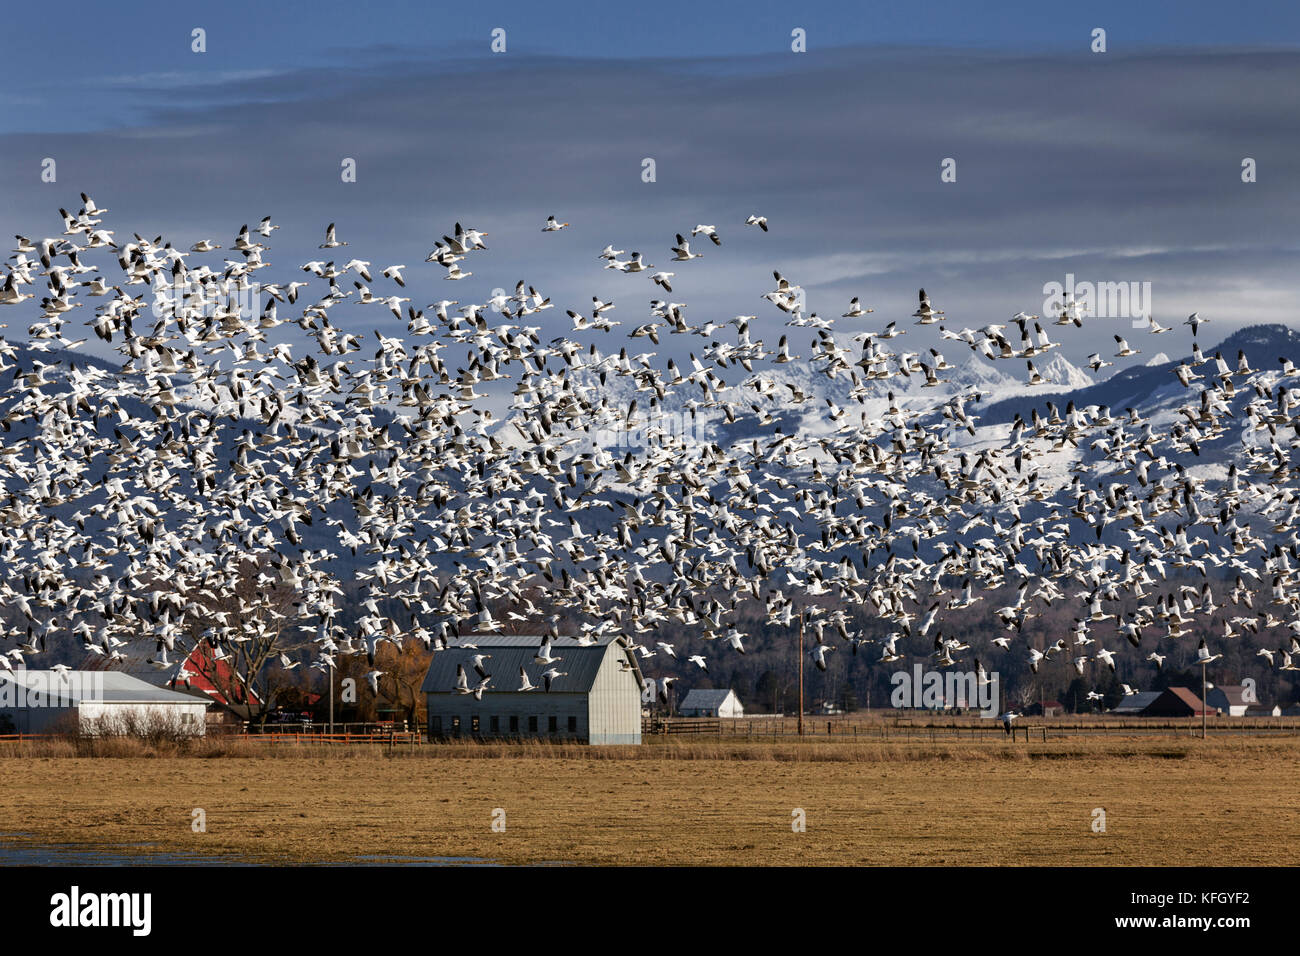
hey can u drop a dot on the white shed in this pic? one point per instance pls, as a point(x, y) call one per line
point(92, 702)
point(711, 703)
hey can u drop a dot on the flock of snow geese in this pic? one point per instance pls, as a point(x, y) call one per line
point(164, 499)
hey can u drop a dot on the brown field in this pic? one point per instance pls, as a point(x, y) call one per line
point(1170, 801)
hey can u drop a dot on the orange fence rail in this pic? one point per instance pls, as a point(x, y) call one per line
point(398, 737)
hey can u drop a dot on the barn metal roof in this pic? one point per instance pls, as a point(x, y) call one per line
point(707, 698)
point(1135, 703)
point(113, 686)
point(508, 652)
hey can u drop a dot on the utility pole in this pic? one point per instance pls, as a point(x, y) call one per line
point(1203, 704)
point(331, 680)
point(801, 672)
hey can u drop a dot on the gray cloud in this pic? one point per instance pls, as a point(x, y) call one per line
point(1113, 168)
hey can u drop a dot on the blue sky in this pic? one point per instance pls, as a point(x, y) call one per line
point(1123, 166)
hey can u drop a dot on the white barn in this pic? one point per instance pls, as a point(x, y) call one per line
point(711, 703)
point(596, 701)
point(92, 702)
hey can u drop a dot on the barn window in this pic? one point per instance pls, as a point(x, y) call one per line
point(473, 724)
point(552, 724)
point(435, 727)
point(455, 726)
point(573, 725)
point(514, 724)
point(495, 723)
point(532, 724)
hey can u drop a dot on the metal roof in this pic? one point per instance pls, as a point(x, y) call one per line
point(508, 652)
point(112, 686)
point(135, 662)
point(1135, 703)
point(707, 698)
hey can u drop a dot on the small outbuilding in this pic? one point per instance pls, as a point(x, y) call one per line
point(702, 702)
point(595, 699)
point(1229, 700)
point(94, 702)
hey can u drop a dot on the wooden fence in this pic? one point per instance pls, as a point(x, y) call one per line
point(403, 738)
point(681, 725)
point(852, 727)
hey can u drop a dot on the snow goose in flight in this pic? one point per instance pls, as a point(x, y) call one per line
point(855, 309)
point(88, 207)
point(1203, 655)
point(710, 231)
point(760, 221)
point(1124, 350)
point(543, 655)
point(462, 680)
point(682, 251)
point(635, 264)
point(331, 241)
point(925, 314)
point(477, 660)
point(663, 684)
point(818, 654)
point(552, 225)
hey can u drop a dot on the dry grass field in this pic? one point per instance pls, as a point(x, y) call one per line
point(1171, 801)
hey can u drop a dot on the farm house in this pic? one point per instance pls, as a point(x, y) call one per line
point(711, 703)
point(48, 701)
point(595, 699)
